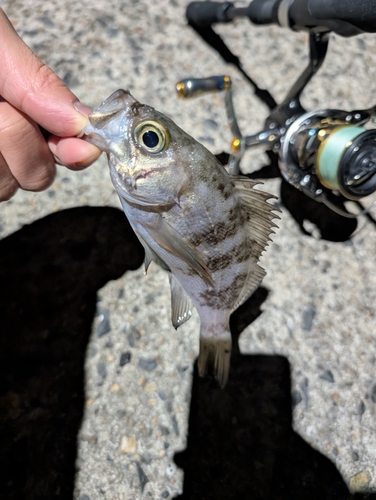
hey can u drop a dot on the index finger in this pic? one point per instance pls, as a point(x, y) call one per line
point(33, 88)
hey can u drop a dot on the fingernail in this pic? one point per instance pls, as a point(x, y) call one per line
point(81, 108)
point(87, 161)
point(57, 160)
point(53, 147)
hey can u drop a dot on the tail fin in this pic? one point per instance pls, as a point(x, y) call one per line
point(214, 358)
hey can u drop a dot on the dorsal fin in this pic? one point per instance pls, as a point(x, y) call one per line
point(259, 215)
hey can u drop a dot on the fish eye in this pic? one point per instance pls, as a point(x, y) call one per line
point(150, 139)
point(151, 136)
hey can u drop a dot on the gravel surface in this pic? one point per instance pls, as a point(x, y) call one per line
point(101, 399)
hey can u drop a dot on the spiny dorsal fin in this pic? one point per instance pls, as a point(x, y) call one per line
point(259, 215)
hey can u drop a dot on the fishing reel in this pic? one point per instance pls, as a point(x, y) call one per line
point(319, 150)
point(330, 148)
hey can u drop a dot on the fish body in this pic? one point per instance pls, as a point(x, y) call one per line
point(204, 227)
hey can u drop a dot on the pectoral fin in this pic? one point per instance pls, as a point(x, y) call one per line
point(181, 304)
point(150, 255)
point(173, 242)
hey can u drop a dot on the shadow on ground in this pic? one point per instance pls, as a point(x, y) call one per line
point(50, 272)
point(241, 444)
point(240, 438)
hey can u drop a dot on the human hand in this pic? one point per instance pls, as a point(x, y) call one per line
point(39, 119)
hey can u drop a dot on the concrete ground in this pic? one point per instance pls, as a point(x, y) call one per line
point(319, 312)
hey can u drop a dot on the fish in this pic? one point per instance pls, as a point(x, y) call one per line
point(206, 228)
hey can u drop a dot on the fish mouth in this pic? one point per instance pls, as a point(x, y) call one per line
point(129, 180)
point(125, 183)
point(145, 175)
point(103, 122)
point(126, 188)
point(118, 101)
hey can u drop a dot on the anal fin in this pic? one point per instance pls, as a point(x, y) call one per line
point(214, 358)
point(181, 304)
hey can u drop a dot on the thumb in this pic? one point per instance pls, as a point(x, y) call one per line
point(33, 88)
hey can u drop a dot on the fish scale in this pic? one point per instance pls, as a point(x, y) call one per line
point(204, 227)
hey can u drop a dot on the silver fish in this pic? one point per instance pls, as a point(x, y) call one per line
point(206, 228)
